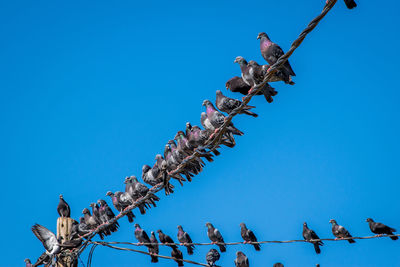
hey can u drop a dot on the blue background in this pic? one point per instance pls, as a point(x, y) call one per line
point(91, 91)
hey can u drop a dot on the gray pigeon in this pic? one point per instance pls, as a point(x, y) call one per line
point(141, 235)
point(309, 234)
point(48, 239)
point(241, 260)
point(99, 220)
point(215, 236)
point(271, 52)
point(227, 105)
point(63, 208)
point(350, 4)
point(121, 204)
point(154, 248)
point(249, 236)
point(184, 238)
point(250, 77)
point(166, 239)
point(106, 214)
point(212, 256)
point(381, 229)
point(177, 254)
point(43, 259)
point(340, 232)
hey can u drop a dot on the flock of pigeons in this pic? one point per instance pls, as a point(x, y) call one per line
point(166, 166)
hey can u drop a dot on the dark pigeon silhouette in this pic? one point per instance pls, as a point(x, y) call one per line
point(154, 248)
point(340, 232)
point(63, 208)
point(227, 104)
point(248, 236)
point(166, 239)
point(177, 254)
point(271, 52)
point(48, 239)
point(252, 80)
point(350, 4)
point(237, 85)
point(121, 204)
point(381, 229)
point(241, 260)
point(309, 234)
point(215, 236)
point(184, 237)
point(212, 256)
point(142, 237)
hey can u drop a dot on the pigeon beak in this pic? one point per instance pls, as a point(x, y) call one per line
point(235, 61)
point(258, 37)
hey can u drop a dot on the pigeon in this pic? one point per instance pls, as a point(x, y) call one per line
point(120, 204)
point(184, 238)
point(236, 84)
point(249, 76)
point(212, 256)
point(340, 232)
point(177, 254)
point(63, 208)
point(198, 137)
point(137, 190)
point(380, 229)
point(227, 105)
point(98, 219)
point(184, 144)
point(248, 236)
point(154, 248)
point(278, 264)
point(350, 4)
point(130, 189)
point(215, 236)
point(48, 239)
point(173, 163)
point(178, 156)
point(43, 259)
point(241, 260)
point(106, 214)
point(160, 169)
point(217, 119)
point(166, 239)
point(80, 229)
point(259, 72)
point(309, 234)
point(28, 263)
point(271, 52)
point(141, 235)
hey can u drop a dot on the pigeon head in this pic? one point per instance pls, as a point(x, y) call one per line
point(305, 224)
point(179, 227)
point(27, 261)
point(240, 60)
point(145, 168)
point(369, 220)
point(188, 125)
point(332, 221)
point(178, 135)
point(206, 102)
point(242, 225)
point(261, 35)
point(133, 179)
point(85, 211)
point(61, 196)
point(152, 232)
point(218, 92)
point(159, 231)
point(109, 193)
point(92, 204)
point(101, 202)
point(239, 254)
point(253, 63)
point(137, 225)
point(209, 225)
point(159, 156)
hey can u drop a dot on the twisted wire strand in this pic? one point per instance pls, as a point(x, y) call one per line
point(107, 244)
point(214, 140)
point(253, 243)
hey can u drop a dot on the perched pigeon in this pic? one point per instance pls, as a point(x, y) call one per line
point(177, 254)
point(141, 235)
point(48, 239)
point(236, 84)
point(278, 264)
point(159, 174)
point(63, 208)
point(184, 238)
point(80, 228)
point(166, 239)
point(212, 256)
point(249, 77)
point(309, 234)
point(227, 105)
point(216, 118)
point(248, 236)
point(241, 260)
point(131, 190)
point(259, 72)
point(137, 190)
point(198, 137)
point(350, 4)
point(28, 263)
point(121, 204)
point(215, 236)
point(173, 163)
point(154, 248)
point(184, 144)
point(106, 214)
point(381, 229)
point(271, 52)
point(340, 232)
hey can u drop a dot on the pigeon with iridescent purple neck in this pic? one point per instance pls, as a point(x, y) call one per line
point(249, 77)
point(184, 144)
point(271, 52)
point(197, 138)
point(185, 239)
point(120, 203)
point(227, 104)
point(107, 214)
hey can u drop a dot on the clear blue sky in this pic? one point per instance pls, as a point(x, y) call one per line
point(92, 91)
